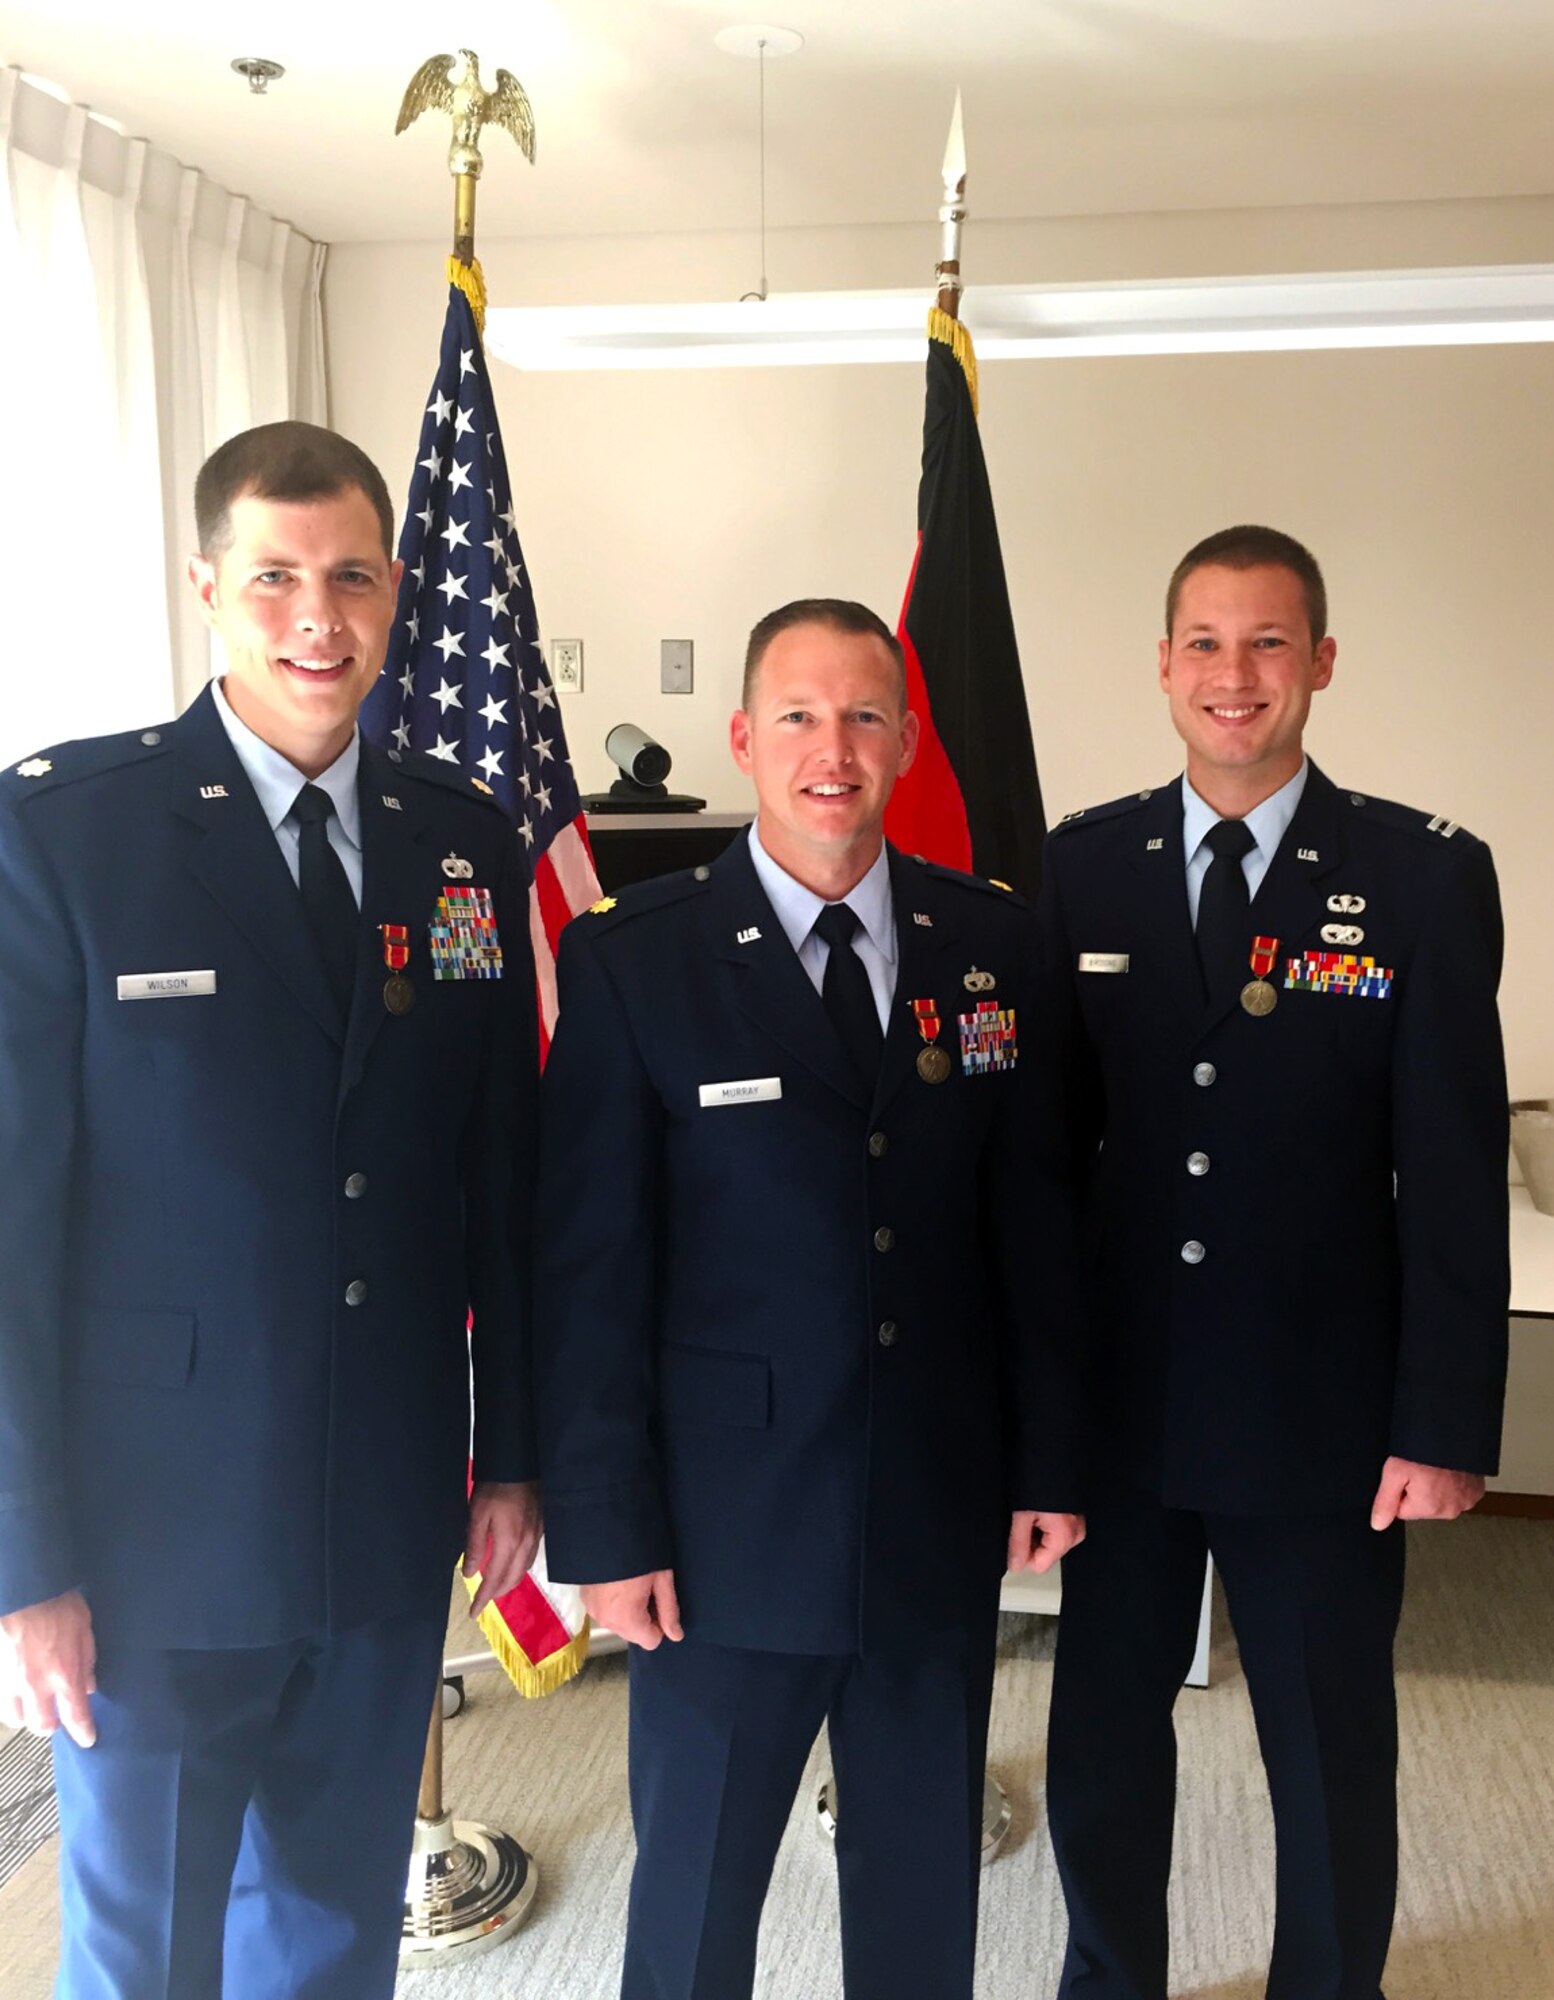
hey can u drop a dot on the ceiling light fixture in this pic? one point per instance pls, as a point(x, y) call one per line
point(259, 70)
point(1350, 309)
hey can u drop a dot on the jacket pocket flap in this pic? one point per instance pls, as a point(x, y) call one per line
point(135, 1345)
point(706, 1385)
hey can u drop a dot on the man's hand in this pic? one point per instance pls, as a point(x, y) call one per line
point(642, 1609)
point(48, 1661)
point(1037, 1541)
point(504, 1532)
point(1410, 1492)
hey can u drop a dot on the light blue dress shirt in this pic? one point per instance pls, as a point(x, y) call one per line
point(871, 903)
point(278, 781)
point(1267, 824)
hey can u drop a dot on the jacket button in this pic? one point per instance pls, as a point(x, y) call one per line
point(884, 1239)
point(887, 1334)
point(877, 1145)
point(151, 738)
point(355, 1186)
point(1193, 1252)
point(356, 1292)
point(1204, 1074)
point(1198, 1164)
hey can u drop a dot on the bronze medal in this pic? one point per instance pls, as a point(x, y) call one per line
point(933, 1065)
point(1258, 998)
point(398, 993)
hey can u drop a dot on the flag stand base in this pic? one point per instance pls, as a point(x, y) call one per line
point(470, 1887)
point(995, 1815)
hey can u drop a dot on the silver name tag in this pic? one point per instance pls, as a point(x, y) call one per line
point(1103, 961)
point(164, 985)
point(754, 1090)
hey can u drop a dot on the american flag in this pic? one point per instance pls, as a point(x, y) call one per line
point(465, 678)
point(465, 681)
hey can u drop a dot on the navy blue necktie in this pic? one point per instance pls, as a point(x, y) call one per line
point(846, 991)
point(327, 901)
point(1224, 930)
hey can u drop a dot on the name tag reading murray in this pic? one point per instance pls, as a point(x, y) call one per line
point(754, 1090)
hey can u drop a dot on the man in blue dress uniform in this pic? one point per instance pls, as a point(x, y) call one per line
point(793, 1373)
point(1274, 1021)
point(259, 1162)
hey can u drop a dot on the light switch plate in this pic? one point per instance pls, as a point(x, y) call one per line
point(675, 669)
point(566, 665)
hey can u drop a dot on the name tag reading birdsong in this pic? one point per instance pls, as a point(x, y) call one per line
point(754, 1090)
point(1103, 961)
point(164, 985)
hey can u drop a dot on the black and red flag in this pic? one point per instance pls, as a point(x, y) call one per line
point(972, 800)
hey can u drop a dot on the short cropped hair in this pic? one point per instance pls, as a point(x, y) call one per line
point(840, 614)
point(1251, 547)
point(285, 461)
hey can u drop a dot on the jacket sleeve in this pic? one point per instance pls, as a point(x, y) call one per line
point(1449, 1140)
point(500, 1149)
point(596, 1258)
point(42, 1017)
point(1032, 1199)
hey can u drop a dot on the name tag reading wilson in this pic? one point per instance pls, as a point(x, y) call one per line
point(1103, 961)
point(164, 985)
point(754, 1090)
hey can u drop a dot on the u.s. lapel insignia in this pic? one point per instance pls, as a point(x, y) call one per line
point(1154, 846)
point(213, 791)
point(922, 919)
point(1307, 854)
point(979, 982)
point(749, 935)
point(392, 803)
point(35, 767)
point(1346, 906)
point(457, 870)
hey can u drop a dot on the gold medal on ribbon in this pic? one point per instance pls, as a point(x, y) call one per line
point(933, 1065)
point(1258, 997)
point(398, 993)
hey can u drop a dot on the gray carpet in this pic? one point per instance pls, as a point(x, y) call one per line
point(1476, 1909)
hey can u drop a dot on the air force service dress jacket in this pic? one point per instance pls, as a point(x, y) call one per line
point(239, 1234)
point(796, 1346)
point(1295, 1223)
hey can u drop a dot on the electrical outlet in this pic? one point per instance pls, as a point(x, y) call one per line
point(566, 665)
point(675, 673)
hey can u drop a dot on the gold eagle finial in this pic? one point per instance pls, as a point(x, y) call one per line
point(470, 106)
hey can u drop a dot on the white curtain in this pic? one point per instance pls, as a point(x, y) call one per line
point(145, 315)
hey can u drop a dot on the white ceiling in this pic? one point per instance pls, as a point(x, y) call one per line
point(1072, 106)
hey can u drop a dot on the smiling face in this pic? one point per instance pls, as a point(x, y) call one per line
point(824, 739)
point(1239, 669)
point(303, 598)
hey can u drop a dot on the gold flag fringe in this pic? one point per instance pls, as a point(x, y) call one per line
point(471, 281)
point(958, 340)
point(530, 1679)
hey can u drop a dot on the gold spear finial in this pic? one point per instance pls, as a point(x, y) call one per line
point(952, 215)
point(471, 108)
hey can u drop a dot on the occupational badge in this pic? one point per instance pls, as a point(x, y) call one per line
point(456, 869)
point(933, 1065)
point(1258, 996)
point(979, 982)
point(398, 993)
point(987, 1039)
